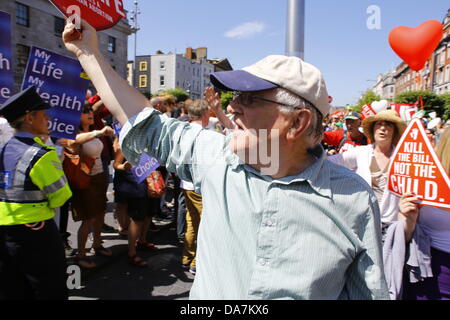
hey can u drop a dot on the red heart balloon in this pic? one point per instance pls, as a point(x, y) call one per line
point(415, 45)
point(99, 14)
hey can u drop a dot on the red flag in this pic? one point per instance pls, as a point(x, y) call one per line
point(367, 111)
point(406, 111)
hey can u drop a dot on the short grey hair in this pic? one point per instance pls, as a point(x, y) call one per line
point(155, 101)
point(197, 109)
point(17, 124)
point(287, 97)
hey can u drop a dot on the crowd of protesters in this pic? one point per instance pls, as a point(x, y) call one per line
point(342, 156)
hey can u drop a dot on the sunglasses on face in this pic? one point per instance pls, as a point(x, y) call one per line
point(248, 100)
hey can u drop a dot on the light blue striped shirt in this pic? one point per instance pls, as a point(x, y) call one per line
point(315, 235)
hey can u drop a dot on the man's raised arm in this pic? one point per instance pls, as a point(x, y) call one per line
point(123, 100)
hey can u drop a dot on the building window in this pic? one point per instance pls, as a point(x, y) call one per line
point(143, 81)
point(162, 81)
point(22, 15)
point(111, 44)
point(162, 65)
point(22, 53)
point(59, 24)
point(178, 64)
point(143, 65)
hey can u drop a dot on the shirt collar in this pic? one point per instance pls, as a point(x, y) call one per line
point(24, 134)
point(316, 175)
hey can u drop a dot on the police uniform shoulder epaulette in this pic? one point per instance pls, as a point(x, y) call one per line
point(42, 144)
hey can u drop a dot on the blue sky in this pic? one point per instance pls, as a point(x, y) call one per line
point(337, 39)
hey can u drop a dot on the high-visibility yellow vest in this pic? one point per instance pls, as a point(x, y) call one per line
point(32, 182)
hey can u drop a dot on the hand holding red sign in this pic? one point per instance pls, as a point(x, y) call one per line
point(416, 169)
point(84, 42)
point(100, 14)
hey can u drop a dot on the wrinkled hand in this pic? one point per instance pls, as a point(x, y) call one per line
point(107, 131)
point(213, 99)
point(79, 43)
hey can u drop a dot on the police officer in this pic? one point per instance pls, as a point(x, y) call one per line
point(32, 184)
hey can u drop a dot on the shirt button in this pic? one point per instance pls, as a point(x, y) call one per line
point(262, 262)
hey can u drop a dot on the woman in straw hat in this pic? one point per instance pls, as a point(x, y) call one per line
point(371, 162)
point(434, 223)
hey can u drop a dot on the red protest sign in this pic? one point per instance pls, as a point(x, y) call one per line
point(101, 14)
point(416, 168)
point(406, 111)
point(367, 111)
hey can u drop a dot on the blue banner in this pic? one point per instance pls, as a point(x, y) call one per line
point(146, 165)
point(60, 81)
point(6, 67)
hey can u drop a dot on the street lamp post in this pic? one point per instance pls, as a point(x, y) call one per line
point(187, 86)
point(295, 33)
point(135, 27)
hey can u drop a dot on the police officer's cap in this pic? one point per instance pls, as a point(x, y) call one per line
point(21, 103)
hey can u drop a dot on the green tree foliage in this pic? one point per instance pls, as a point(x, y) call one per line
point(147, 94)
point(368, 98)
point(225, 99)
point(178, 93)
point(446, 98)
point(431, 101)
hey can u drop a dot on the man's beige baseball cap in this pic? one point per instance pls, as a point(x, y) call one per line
point(275, 71)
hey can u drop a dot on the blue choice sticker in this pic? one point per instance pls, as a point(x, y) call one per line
point(6, 72)
point(61, 82)
point(5, 180)
point(117, 128)
point(146, 165)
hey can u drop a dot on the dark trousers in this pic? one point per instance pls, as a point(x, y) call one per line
point(32, 263)
point(64, 220)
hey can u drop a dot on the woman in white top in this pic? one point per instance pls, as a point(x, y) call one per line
point(371, 162)
point(435, 223)
point(88, 205)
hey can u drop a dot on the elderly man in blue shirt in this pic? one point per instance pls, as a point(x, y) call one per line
point(281, 223)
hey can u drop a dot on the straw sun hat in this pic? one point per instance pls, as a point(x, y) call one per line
point(385, 115)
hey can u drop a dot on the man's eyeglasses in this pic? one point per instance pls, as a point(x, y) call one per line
point(247, 100)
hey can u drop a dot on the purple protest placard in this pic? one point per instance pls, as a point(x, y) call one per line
point(61, 82)
point(6, 71)
point(146, 165)
point(117, 128)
